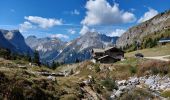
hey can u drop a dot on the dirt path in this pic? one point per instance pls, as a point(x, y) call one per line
point(163, 58)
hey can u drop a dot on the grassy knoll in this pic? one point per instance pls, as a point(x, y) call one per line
point(151, 52)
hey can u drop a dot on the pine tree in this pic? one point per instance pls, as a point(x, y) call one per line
point(55, 65)
point(36, 58)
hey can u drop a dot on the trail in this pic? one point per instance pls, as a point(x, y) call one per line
point(163, 58)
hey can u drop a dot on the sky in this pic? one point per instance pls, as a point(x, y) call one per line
point(69, 19)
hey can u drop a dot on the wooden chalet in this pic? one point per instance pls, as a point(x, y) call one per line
point(107, 55)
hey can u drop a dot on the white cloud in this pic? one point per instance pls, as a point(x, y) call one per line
point(100, 12)
point(71, 31)
point(148, 15)
point(75, 12)
point(25, 26)
point(84, 30)
point(117, 32)
point(59, 36)
point(44, 22)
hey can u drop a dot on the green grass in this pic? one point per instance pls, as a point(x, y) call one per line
point(151, 52)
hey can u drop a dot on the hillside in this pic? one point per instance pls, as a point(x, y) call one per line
point(14, 41)
point(20, 80)
point(153, 26)
point(151, 52)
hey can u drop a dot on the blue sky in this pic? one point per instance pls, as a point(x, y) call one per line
point(68, 19)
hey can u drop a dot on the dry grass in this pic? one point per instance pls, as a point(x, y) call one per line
point(153, 67)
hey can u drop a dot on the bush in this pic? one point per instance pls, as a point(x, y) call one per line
point(97, 68)
point(133, 70)
point(16, 94)
point(109, 83)
point(55, 65)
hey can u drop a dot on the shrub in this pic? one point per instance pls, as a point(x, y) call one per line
point(16, 94)
point(97, 68)
point(55, 65)
point(109, 83)
point(133, 70)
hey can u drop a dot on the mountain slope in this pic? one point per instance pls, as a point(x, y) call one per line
point(14, 41)
point(47, 47)
point(156, 24)
point(5, 43)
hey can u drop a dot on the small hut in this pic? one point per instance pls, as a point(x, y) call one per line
point(107, 55)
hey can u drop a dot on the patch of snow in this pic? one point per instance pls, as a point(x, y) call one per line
point(68, 43)
point(9, 35)
point(39, 48)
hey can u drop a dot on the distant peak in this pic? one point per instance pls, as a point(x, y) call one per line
point(91, 34)
point(15, 31)
point(32, 36)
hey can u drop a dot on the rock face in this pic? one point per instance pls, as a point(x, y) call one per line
point(158, 23)
point(54, 49)
point(5, 43)
point(80, 48)
point(47, 47)
point(14, 41)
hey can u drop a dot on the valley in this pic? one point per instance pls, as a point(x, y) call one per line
point(86, 80)
point(84, 50)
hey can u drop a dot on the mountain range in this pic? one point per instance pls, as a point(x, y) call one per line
point(53, 49)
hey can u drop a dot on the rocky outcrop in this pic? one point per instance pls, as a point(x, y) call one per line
point(154, 83)
point(158, 23)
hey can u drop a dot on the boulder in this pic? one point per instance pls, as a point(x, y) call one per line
point(149, 81)
point(122, 82)
point(118, 93)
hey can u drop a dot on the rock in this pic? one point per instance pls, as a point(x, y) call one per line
point(122, 88)
point(162, 87)
point(113, 96)
point(89, 76)
point(130, 87)
point(134, 80)
point(76, 73)
point(118, 93)
point(122, 82)
point(149, 81)
point(87, 82)
point(51, 78)
point(139, 86)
